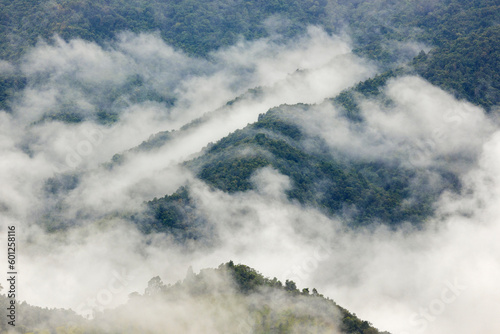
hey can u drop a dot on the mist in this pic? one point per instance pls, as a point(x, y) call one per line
point(439, 278)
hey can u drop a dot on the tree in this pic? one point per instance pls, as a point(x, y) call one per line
point(155, 287)
point(290, 286)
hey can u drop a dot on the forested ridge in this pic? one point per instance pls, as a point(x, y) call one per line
point(361, 191)
point(453, 45)
point(463, 59)
point(462, 35)
point(272, 306)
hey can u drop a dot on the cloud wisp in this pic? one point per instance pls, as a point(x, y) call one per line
point(439, 278)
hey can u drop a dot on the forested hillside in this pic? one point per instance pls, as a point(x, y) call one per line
point(462, 34)
point(238, 297)
point(361, 191)
point(349, 145)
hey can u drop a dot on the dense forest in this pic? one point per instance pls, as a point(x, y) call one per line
point(448, 49)
point(462, 34)
point(464, 60)
point(333, 183)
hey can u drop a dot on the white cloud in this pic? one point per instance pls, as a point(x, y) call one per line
point(423, 126)
point(384, 276)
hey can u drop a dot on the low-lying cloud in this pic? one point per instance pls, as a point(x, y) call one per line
point(436, 279)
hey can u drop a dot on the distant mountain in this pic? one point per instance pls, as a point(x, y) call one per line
point(462, 35)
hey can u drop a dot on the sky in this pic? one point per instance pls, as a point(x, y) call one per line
point(440, 278)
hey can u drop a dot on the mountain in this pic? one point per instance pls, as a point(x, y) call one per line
point(359, 190)
point(230, 298)
point(464, 32)
point(351, 145)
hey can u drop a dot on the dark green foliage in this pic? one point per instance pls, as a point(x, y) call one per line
point(9, 85)
point(468, 66)
point(370, 88)
point(175, 214)
point(463, 34)
point(352, 324)
point(107, 117)
point(362, 191)
point(272, 122)
point(233, 174)
point(466, 60)
point(155, 141)
point(448, 20)
point(197, 27)
point(169, 210)
point(247, 279)
point(348, 101)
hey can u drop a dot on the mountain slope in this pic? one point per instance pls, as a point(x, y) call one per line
point(360, 190)
point(384, 31)
point(396, 174)
point(234, 297)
